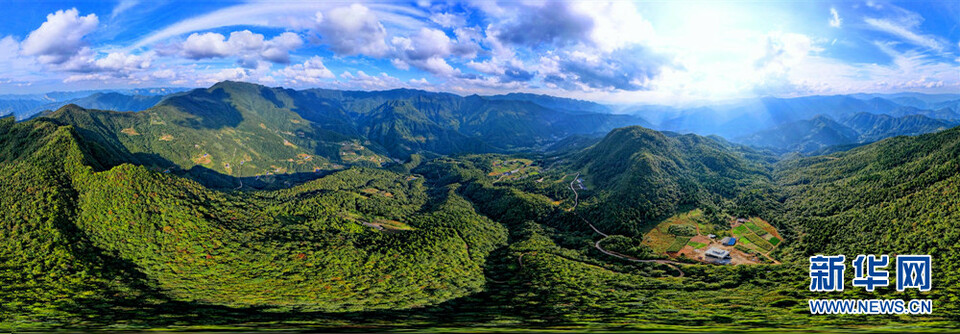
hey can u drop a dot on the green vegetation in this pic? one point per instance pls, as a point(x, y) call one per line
point(94, 234)
point(677, 244)
point(774, 241)
point(648, 176)
point(682, 230)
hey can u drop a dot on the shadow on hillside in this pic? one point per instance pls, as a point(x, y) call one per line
point(210, 109)
point(103, 157)
point(216, 180)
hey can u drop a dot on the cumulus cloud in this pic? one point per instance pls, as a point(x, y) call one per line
point(594, 45)
point(60, 37)
point(363, 80)
point(625, 69)
point(208, 45)
point(247, 46)
point(352, 30)
point(780, 54)
point(835, 19)
point(14, 65)
point(503, 71)
point(605, 25)
point(783, 50)
point(543, 25)
point(311, 71)
point(427, 49)
point(113, 65)
point(259, 73)
point(278, 49)
point(448, 20)
point(616, 24)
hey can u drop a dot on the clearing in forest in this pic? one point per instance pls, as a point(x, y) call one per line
point(687, 234)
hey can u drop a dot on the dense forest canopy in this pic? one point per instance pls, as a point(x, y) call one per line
point(242, 204)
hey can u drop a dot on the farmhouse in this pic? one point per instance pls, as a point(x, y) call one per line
point(729, 241)
point(717, 255)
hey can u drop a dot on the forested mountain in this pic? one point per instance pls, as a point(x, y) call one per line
point(744, 117)
point(246, 130)
point(96, 233)
point(792, 124)
point(501, 122)
point(79, 238)
point(803, 136)
point(26, 106)
point(897, 196)
point(822, 131)
point(20, 108)
point(643, 175)
point(117, 101)
point(553, 102)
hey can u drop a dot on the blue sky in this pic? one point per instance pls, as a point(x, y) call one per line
point(658, 52)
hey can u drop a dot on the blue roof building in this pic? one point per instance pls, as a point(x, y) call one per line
point(729, 241)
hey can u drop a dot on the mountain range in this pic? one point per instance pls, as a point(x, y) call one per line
point(29, 105)
point(787, 124)
point(243, 130)
point(242, 206)
point(821, 131)
point(518, 121)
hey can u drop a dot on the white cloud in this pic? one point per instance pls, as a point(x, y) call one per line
point(114, 64)
point(783, 50)
point(448, 20)
point(119, 61)
point(362, 80)
point(835, 19)
point(278, 49)
point(904, 32)
point(123, 6)
point(616, 24)
point(426, 50)
point(608, 25)
point(439, 66)
point(486, 67)
point(13, 65)
point(247, 46)
point(208, 45)
point(425, 44)
point(298, 15)
point(311, 71)
point(60, 37)
point(352, 30)
point(259, 74)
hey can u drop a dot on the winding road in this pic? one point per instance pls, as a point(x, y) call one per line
point(576, 201)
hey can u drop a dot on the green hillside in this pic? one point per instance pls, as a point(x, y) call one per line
point(95, 237)
point(235, 130)
point(359, 239)
point(896, 196)
point(822, 133)
point(641, 176)
point(227, 130)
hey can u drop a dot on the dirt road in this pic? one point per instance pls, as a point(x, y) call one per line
point(576, 201)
